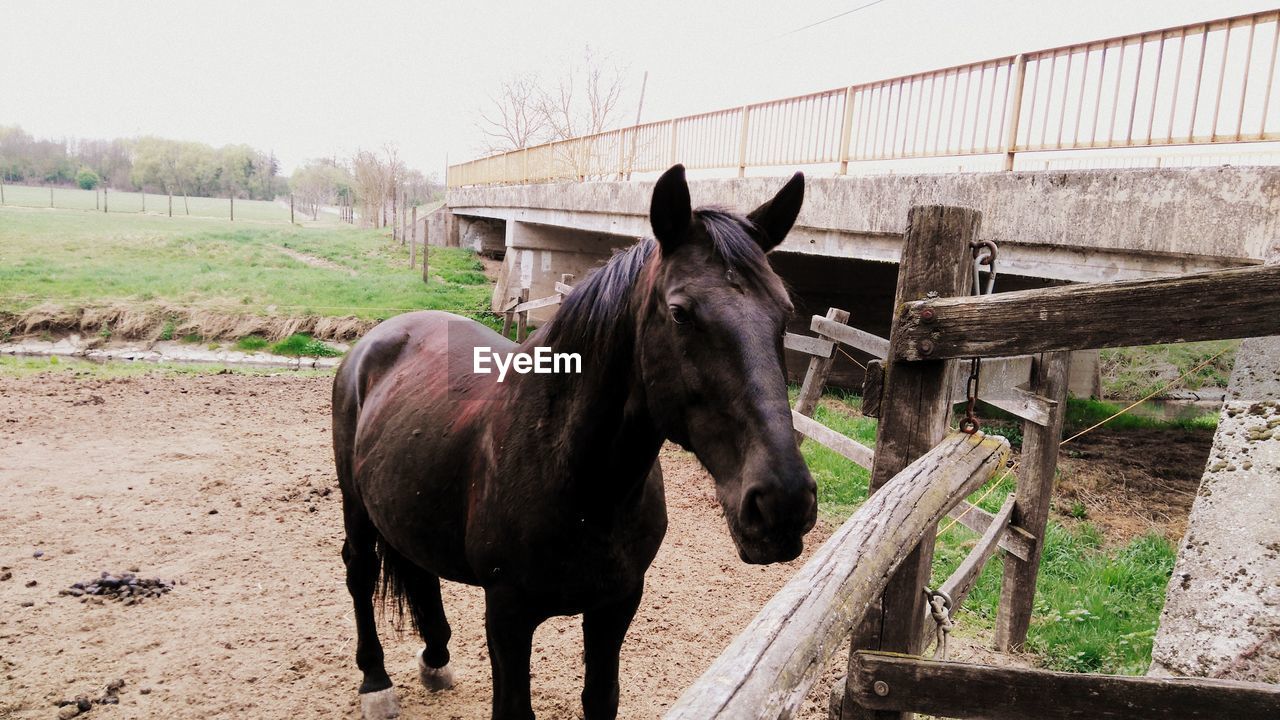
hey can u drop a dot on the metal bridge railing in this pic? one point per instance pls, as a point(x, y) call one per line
point(1205, 83)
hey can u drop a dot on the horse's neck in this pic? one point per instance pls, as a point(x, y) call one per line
point(598, 421)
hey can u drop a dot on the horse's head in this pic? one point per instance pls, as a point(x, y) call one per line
point(711, 359)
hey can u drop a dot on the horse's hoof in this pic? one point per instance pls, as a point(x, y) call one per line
point(434, 679)
point(380, 705)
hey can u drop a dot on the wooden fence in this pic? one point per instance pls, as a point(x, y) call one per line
point(517, 307)
point(869, 579)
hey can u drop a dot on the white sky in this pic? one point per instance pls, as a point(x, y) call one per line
point(314, 78)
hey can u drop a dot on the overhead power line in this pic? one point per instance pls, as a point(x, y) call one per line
point(837, 16)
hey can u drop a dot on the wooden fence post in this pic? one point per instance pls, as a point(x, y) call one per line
point(426, 251)
point(936, 258)
point(290, 208)
point(104, 198)
point(816, 377)
point(1049, 376)
point(170, 204)
point(232, 197)
point(522, 318)
point(144, 201)
point(50, 196)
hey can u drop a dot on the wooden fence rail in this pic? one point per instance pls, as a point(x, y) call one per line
point(1215, 305)
point(886, 681)
point(767, 671)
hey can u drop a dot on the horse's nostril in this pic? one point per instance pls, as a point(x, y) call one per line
point(755, 509)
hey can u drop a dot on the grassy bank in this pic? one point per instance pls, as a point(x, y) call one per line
point(1097, 606)
point(1135, 372)
point(133, 275)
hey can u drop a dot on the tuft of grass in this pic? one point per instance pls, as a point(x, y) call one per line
point(303, 345)
point(251, 343)
point(167, 332)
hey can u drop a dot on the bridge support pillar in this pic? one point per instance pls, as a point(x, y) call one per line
point(537, 255)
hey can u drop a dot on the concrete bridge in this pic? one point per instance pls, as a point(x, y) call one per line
point(539, 209)
point(1052, 227)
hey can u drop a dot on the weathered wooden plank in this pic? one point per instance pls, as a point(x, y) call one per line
point(874, 345)
point(1015, 540)
point(563, 289)
point(1035, 489)
point(809, 345)
point(1221, 304)
point(915, 412)
point(1000, 384)
point(847, 447)
point(539, 303)
point(961, 581)
point(964, 690)
point(816, 377)
point(768, 669)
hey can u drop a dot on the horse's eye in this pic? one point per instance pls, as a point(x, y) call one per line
point(679, 315)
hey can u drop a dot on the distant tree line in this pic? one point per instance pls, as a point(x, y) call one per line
point(148, 163)
point(377, 185)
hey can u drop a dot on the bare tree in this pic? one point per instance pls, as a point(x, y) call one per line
point(586, 100)
point(516, 119)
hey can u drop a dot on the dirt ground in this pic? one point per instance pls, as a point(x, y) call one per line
point(224, 483)
point(1133, 482)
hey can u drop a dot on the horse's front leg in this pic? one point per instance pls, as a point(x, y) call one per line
point(603, 629)
point(509, 628)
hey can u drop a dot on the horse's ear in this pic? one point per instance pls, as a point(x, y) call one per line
point(776, 216)
point(670, 211)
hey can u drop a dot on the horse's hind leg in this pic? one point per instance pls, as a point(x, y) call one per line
point(428, 614)
point(377, 695)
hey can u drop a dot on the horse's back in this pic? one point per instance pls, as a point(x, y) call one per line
point(406, 405)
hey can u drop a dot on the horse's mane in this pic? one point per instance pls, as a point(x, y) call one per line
point(597, 309)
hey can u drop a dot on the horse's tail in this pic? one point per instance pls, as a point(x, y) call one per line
point(396, 587)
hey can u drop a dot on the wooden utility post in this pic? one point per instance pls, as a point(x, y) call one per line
point(1049, 378)
point(936, 262)
point(413, 239)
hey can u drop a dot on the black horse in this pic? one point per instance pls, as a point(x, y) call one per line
point(545, 489)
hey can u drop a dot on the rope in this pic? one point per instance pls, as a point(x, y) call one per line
point(990, 489)
point(851, 358)
point(940, 611)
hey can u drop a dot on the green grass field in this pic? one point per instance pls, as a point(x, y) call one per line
point(65, 261)
point(131, 202)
